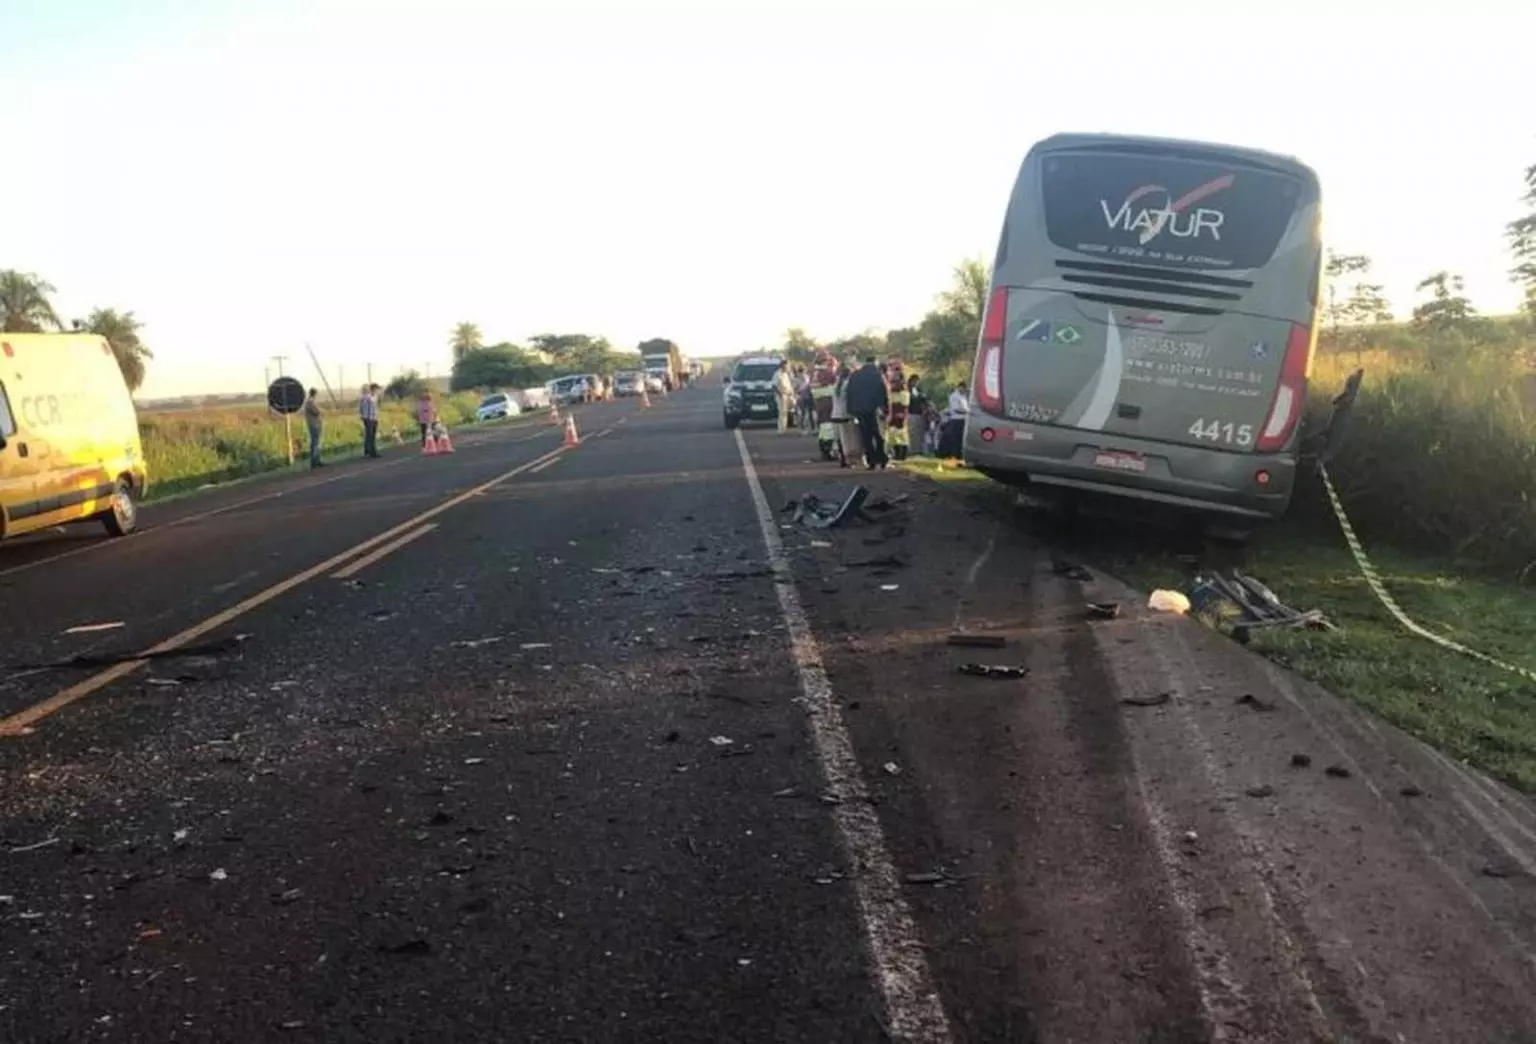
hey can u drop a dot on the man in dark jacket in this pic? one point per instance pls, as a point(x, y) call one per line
point(868, 400)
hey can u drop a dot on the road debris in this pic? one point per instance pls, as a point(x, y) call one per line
point(95, 628)
point(1301, 760)
point(1262, 790)
point(530, 646)
point(408, 948)
point(34, 847)
point(935, 877)
point(1148, 701)
point(890, 587)
point(1248, 699)
point(891, 768)
point(721, 741)
point(1070, 570)
point(1410, 791)
point(219, 647)
point(475, 643)
point(880, 562)
point(1103, 610)
point(1338, 771)
point(1237, 605)
point(811, 510)
point(976, 641)
point(1166, 601)
point(219, 874)
point(986, 670)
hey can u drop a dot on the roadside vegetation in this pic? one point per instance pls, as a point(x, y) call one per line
point(189, 449)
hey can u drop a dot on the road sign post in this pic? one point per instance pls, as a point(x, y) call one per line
point(286, 396)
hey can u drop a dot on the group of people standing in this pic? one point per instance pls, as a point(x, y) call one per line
point(870, 414)
point(368, 414)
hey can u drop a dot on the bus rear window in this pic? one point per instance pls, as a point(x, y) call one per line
point(1162, 210)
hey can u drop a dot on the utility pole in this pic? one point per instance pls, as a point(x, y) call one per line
point(287, 418)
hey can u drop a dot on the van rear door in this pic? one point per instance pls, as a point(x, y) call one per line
point(1166, 295)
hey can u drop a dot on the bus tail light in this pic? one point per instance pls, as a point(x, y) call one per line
point(989, 355)
point(1291, 393)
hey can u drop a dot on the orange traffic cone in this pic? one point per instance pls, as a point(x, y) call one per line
point(444, 443)
point(429, 446)
point(571, 437)
point(554, 413)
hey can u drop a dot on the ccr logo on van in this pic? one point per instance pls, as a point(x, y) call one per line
point(1173, 216)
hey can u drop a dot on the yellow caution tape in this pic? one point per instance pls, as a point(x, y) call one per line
point(1373, 578)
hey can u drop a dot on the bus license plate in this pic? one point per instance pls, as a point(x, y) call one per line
point(1118, 460)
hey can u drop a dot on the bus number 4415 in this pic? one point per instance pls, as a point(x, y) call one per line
point(1222, 431)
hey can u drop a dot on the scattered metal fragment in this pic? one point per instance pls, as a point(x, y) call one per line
point(1338, 771)
point(1103, 610)
point(1248, 699)
point(986, 670)
point(1301, 760)
point(475, 643)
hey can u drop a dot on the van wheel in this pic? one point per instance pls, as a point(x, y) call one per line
point(123, 518)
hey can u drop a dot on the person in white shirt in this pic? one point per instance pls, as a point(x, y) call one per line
point(959, 406)
point(784, 388)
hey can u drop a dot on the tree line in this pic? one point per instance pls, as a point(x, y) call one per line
point(26, 300)
point(940, 347)
point(509, 365)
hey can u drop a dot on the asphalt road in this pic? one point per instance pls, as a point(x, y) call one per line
point(597, 744)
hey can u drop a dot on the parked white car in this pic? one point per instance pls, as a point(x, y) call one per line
point(497, 406)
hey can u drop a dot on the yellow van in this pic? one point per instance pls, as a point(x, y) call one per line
point(69, 435)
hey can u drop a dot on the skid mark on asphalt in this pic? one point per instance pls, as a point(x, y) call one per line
point(913, 1010)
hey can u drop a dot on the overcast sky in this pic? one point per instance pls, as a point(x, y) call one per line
point(248, 177)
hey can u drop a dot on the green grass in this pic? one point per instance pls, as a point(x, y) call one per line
point(1470, 710)
point(1473, 711)
point(187, 450)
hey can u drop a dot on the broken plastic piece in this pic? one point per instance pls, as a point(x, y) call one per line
point(1103, 610)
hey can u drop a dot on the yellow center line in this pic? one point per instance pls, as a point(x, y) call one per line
point(225, 509)
point(394, 545)
point(22, 721)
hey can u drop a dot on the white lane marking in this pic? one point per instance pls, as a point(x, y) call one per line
point(548, 463)
point(913, 1011)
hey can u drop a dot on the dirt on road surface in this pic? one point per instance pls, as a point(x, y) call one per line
point(598, 744)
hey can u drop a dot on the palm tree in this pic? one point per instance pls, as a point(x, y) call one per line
point(121, 329)
point(24, 300)
point(465, 339)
